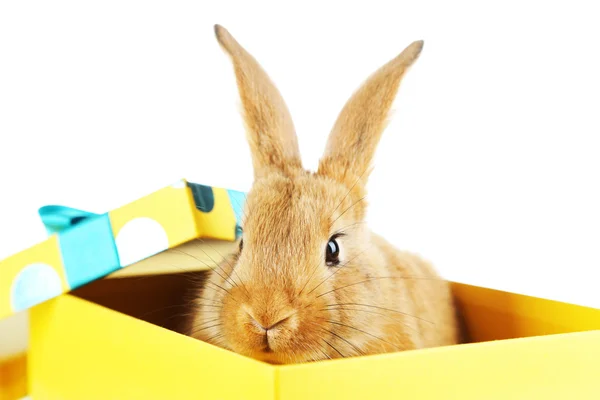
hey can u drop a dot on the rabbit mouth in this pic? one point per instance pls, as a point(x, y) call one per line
point(267, 350)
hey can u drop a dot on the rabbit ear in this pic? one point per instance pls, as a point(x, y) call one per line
point(356, 133)
point(270, 130)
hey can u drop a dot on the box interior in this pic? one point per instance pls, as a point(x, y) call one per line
point(158, 298)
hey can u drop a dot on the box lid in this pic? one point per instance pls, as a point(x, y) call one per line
point(83, 246)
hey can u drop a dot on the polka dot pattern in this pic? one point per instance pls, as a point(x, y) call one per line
point(140, 238)
point(34, 284)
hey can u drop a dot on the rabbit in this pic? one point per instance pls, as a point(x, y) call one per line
point(310, 281)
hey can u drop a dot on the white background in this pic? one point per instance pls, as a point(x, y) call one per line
point(490, 166)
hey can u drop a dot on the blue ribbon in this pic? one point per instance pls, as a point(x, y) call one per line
point(57, 219)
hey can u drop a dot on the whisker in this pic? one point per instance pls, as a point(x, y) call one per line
point(360, 330)
point(359, 351)
point(230, 266)
point(185, 314)
point(170, 317)
point(380, 308)
point(341, 230)
point(310, 277)
point(329, 276)
point(193, 329)
point(205, 299)
point(215, 337)
point(337, 270)
point(209, 305)
point(204, 262)
point(245, 216)
point(222, 288)
point(189, 275)
point(349, 191)
point(210, 311)
point(207, 327)
point(353, 204)
point(333, 347)
point(373, 312)
point(214, 289)
point(312, 274)
point(204, 323)
point(376, 278)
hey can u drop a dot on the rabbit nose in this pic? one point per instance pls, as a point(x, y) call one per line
point(268, 325)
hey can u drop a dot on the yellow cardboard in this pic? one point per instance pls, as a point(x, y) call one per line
point(549, 367)
point(171, 207)
point(46, 254)
point(500, 315)
point(194, 255)
point(220, 222)
point(109, 355)
point(524, 348)
point(80, 350)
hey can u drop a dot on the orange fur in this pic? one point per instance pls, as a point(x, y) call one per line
point(377, 300)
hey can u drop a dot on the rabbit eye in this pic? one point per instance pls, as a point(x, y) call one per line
point(332, 253)
point(241, 244)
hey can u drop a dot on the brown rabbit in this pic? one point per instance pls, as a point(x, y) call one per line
point(310, 281)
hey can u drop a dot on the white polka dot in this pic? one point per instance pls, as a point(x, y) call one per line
point(35, 284)
point(140, 238)
point(179, 184)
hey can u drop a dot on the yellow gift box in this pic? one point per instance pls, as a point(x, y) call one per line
point(117, 337)
point(110, 345)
